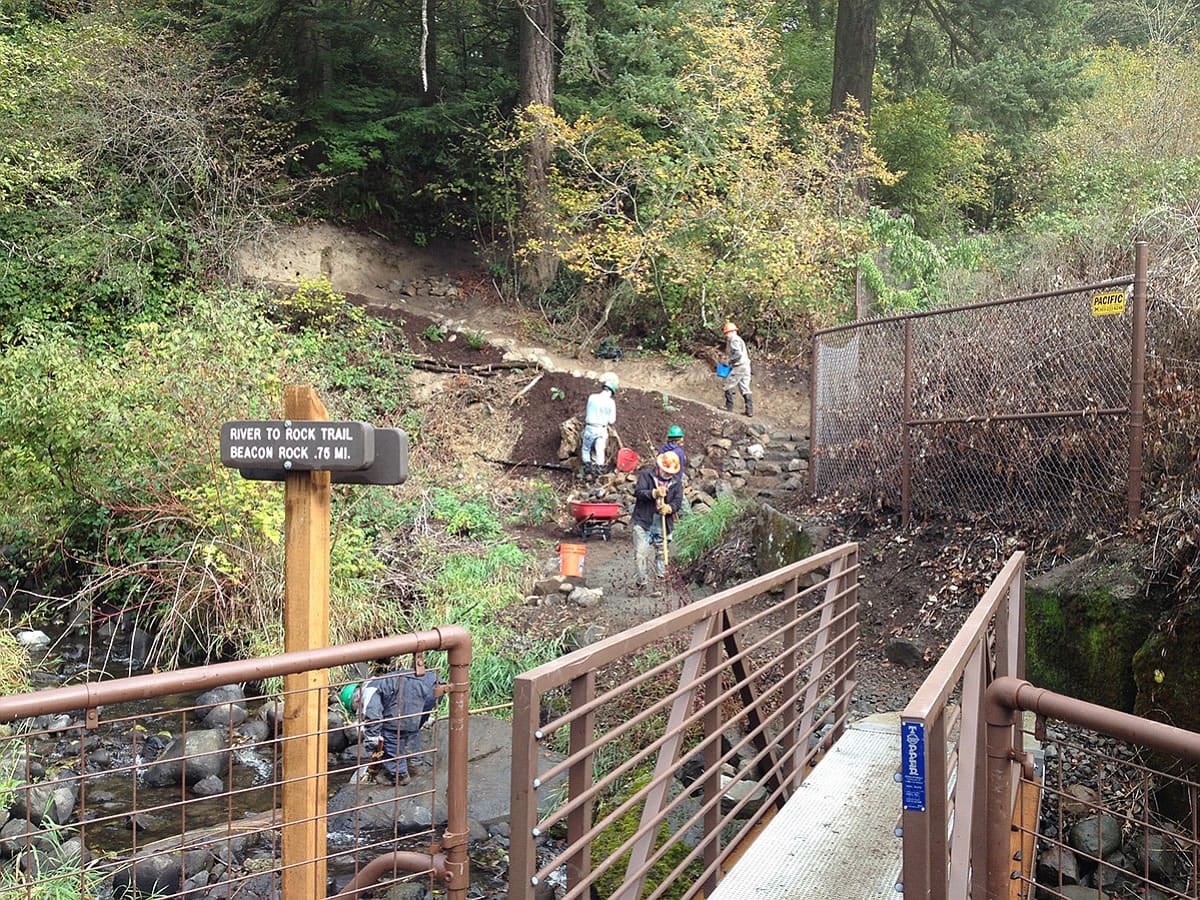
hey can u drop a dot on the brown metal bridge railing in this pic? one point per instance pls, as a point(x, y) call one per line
point(981, 819)
point(942, 761)
point(680, 735)
point(1123, 811)
point(97, 822)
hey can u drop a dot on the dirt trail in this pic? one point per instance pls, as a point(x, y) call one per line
point(380, 270)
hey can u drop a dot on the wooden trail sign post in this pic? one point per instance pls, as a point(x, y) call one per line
point(308, 454)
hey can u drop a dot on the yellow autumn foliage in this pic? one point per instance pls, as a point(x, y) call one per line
point(730, 208)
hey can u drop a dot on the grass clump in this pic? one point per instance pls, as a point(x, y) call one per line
point(456, 570)
point(699, 532)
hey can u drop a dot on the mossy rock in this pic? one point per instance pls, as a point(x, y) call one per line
point(1167, 671)
point(1083, 623)
point(778, 540)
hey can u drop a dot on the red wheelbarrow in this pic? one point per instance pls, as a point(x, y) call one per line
point(594, 517)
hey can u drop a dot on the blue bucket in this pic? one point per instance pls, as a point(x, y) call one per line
point(723, 370)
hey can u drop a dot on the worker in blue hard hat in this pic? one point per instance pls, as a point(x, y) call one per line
point(674, 445)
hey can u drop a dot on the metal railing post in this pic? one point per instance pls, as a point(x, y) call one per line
point(579, 781)
point(522, 855)
point(458, 831)
point(1001, 722)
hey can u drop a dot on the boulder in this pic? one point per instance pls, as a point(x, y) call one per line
point(489, 772)
point(777, 540)
point(1084, 622)
point(207, 752)
point(46, 800)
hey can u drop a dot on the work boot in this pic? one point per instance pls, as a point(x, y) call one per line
point(749, 404)
point(729, 401)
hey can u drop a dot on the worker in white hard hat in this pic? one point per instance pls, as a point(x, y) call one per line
point(739, 369)
point(601, 412)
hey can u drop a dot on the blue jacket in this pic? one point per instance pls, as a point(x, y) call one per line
point(402, 701)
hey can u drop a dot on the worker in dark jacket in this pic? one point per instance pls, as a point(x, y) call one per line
point(658, 494)
point(393, 708)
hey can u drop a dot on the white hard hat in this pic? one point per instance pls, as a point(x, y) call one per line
point(610, 380)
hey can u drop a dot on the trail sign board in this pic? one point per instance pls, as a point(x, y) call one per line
point(1108, 303)
point(390, 465)
point(297, 446)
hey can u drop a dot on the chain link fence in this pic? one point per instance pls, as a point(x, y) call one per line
point(1018, 409)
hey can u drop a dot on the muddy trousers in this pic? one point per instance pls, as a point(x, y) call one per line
point(398, 746)
point(647, 551)
point(746, 396)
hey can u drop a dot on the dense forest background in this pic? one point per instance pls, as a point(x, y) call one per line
point(626, 167)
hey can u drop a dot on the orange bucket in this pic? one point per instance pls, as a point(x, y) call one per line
point(627, 460)
point(570, 559)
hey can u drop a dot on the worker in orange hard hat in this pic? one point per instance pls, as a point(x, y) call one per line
point(657, 495)
point(739, 369)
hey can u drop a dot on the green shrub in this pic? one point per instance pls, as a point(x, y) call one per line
point(475, 589)
point(108, 458)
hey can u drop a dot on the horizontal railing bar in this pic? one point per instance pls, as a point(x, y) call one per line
point(567, 668)
point(697, 816)
point(144, 687)
point(1122, 281)
point(1008, 693)
point(632, 801)
point(1022, 417)
point(667, 700)
point(597, 702)
point(561, 811)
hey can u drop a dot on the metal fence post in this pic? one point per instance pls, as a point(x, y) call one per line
point(813, 387)
point(906, 429)
point(1137, 378)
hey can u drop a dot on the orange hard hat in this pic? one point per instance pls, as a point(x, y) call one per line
point(669, 462)
point(729, 326)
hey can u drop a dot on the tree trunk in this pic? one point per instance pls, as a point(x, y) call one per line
point(537, 89)
point(854, 52)
point(431, 85)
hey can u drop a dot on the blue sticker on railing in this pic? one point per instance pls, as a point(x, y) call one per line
point(912, 765)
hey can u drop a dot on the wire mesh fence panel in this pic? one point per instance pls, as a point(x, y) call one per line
point(1018, 409)
point(1116, 820)
point(165, 792)
point(859, 406)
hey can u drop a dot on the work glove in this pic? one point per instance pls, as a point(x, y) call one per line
point(661, 491)
point(665, 509)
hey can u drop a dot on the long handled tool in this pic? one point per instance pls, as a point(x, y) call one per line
point(665, 535)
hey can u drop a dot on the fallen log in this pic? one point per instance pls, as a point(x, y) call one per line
point(484, 370)
point(525, 390)
point(526, 464)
